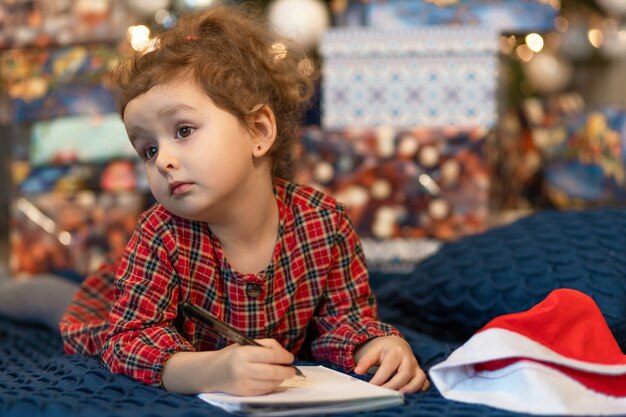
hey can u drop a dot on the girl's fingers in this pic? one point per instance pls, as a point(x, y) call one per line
point(368, 360)
point(399, 380)
point(270, 343)
point(386, 369)
point(270, 352)
point(408, 381)
point(419, 382)
point(274, 373)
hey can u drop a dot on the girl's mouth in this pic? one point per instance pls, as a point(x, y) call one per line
point(180, 188)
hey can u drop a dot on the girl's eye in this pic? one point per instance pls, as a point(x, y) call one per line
point(150, 151)
point(184, 131)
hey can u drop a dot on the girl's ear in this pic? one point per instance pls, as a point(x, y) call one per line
point(264, 129)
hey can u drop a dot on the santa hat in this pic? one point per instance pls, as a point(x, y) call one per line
point(559, 357)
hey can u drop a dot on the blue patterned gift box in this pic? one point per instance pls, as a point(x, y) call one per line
point(428, 77)
point(504, 15)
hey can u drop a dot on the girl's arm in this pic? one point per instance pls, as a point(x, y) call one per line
point(141, 335)
point(346, 316)
point(236, 369)
point(347, 319)
point(144, 344)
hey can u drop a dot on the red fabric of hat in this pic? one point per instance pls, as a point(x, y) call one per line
point(559, 357)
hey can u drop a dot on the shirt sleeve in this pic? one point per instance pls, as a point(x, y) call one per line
point(347, 315)
point(84, 324)
point(141, 333)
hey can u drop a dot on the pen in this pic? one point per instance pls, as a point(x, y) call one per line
point(222, 328)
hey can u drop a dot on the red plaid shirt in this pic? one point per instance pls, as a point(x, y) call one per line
point(315, 287)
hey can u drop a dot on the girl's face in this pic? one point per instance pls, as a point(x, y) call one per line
point(199, 159)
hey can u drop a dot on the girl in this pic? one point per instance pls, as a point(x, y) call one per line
point(212, 110)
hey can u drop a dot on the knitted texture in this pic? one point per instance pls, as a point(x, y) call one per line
point(437, 306)
point(509, 269)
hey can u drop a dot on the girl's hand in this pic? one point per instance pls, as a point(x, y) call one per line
point(253, 370)
point(236, 369)
point(397, 366)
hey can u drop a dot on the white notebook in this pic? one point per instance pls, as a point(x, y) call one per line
point(325, 391)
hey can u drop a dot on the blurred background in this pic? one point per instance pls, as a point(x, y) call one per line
point(433, 119)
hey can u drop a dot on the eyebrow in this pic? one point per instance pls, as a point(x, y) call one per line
point(172, 110)
point(165, 112)
point(132, 134)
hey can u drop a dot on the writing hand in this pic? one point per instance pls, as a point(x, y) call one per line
point(254, 370)
point(236, 369)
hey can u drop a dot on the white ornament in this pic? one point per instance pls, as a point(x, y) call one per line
point(438, 209)
point(302, 21)
point(196, 4)
point(614, 43)
point(450, 171)
point(548, 73)
point(575, 41)
point(147, 7)
point(381, 189)
point(429, 156)
point(408, 146)
point(355, 196)
point(613, 6)
point(385, 146)
point(384, 222)
point(323, 172)
point(91, 7)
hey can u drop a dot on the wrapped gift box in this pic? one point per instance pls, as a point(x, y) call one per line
point(587, 168)
point(70, 233)
point(114, 175)
point(84, 139)
point(46, 22)
point(505, 15)
point(422, 77)
point(420, 183)
point(46, 83)
point(557, 152)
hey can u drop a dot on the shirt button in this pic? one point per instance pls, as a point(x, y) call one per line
point(253, 290)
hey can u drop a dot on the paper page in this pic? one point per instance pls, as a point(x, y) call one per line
point(324, 389)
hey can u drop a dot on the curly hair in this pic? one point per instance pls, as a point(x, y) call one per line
point(238, 61)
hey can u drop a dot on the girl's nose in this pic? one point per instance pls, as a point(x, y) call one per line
point(166, 160)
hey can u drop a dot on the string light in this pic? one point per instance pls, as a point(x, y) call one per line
point(524, 53)
point(164, 18)
point(596, 37)
point(38, 217)
point(535, 42)
point(139, 37)
point(278, 51)
point(507, 43)
point(306, 66)
point(561, 23)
